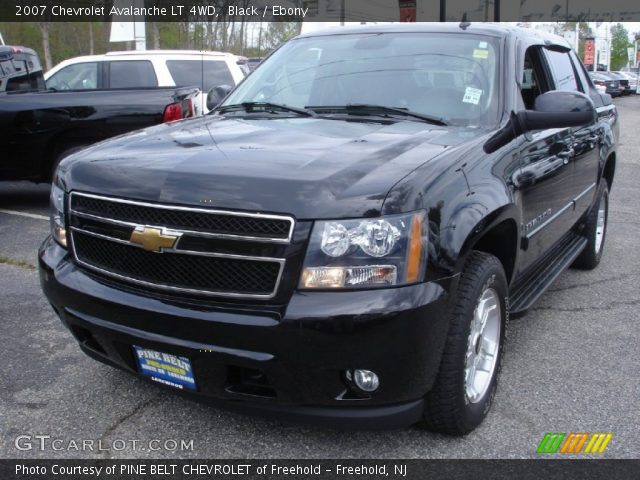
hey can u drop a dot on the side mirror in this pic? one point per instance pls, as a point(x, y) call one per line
point(216, 95)
point(554, 109)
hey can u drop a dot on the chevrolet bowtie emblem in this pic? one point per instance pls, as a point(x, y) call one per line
point(154, 239)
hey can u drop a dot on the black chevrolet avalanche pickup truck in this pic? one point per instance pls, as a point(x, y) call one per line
point(39, 127)
point(344, 237)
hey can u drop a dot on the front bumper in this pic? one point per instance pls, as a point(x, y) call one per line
point(298, 351)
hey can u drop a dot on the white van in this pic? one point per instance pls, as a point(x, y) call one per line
point(150, 68)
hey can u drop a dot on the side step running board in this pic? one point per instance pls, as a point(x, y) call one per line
point(534, 284)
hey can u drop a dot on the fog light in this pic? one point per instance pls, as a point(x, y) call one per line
point(365, 380)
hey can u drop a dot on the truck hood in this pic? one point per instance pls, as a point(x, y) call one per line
point(308, 167)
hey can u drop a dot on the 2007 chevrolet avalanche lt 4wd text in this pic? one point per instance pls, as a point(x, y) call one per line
point(343, 238)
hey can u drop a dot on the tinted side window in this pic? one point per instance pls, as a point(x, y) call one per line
point(563, 75)
point(203, 73)
point(132, 74)
point(81, 76)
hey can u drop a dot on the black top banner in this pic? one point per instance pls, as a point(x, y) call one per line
point(319, 10)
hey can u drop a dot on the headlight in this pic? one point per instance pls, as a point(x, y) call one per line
point(58, 230)
point(366, 253)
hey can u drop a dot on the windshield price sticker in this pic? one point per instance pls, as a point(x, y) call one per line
point(472, 95)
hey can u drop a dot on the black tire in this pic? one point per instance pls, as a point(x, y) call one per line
point(591, 255)
point(448, 408)
point(59, 157)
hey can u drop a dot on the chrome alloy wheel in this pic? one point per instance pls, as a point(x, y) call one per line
point(601, 224)
point(482, 346)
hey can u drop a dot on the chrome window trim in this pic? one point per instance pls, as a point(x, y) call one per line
point(228, 213)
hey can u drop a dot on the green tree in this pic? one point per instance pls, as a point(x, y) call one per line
point(72, 39)
point(619, 44)
point(278, 33)
point(26, 34)
point(66, 39)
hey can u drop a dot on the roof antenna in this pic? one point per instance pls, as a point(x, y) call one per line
point(463, 23)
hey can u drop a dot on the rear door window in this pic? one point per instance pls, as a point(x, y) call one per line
point(132, 74)
point(203, 73)
point(564, 76)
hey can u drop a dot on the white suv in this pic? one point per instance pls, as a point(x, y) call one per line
point(148, 69)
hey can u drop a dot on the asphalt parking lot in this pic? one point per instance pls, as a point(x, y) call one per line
point(571, 364)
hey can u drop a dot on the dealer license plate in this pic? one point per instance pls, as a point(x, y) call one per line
point(165, 368)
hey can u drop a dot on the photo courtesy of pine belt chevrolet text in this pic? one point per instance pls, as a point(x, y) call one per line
point(343, 238)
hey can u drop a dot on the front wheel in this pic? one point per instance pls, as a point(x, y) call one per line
point(467, 379)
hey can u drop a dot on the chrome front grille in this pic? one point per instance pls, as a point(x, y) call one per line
point(196, 221)
point(201, 251)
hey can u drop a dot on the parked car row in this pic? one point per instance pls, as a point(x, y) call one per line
point(615, 83)
point(633, 80)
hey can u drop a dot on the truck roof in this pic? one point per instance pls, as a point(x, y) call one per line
point(485, 28)
point(169, 52)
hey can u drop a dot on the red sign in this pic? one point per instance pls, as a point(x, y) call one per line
point(589, 51)
point(407, 10)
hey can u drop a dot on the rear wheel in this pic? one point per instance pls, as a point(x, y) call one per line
point(595, 231)
point(467, 380)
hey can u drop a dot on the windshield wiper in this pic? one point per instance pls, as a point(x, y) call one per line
point(364, 109)
point(252, 107)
